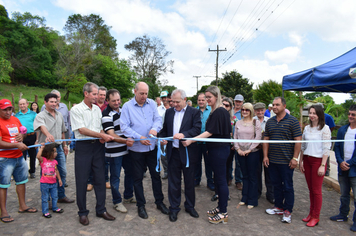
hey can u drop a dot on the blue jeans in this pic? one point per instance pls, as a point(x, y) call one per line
point(282, 180)
point(238, 173)
point(72, 143)
point(61, 159)
point(218, 157)
point(249, 166)
point(115, 169)
point(208, 169)
point(346, 183)
point(16, 167)
point(46, 191)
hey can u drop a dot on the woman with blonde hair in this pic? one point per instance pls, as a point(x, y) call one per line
point(248, 155)
point(218, 125)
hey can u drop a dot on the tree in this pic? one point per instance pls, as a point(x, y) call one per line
point(94, 31)
point(169, 88)
point(30, 60)
point(233, 83)
point(312, 96)
point(29, 20)
point(73, 84)
point(3, 12)
point(267, 91)
point(149, 58)
point(114, 74)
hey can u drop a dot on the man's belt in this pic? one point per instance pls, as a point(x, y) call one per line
point(29, 134)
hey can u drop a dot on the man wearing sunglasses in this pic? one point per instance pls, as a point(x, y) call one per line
point(346, 158)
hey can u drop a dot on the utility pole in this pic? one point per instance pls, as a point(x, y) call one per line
point(197, 76)
point(217, 60)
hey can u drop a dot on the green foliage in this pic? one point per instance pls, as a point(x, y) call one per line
point(149, 58)
point(5, 69)
point(3, 12)
point(114, 74)
point(29, 20)
point(73, 84)
point(94, 32)
point(312, 96)
point(233, 83)
point(267, 91)
point(30, 60)
point(168, 88)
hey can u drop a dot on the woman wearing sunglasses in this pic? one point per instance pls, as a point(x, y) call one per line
point(248, 155)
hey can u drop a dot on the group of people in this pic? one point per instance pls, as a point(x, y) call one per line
point(111, 137)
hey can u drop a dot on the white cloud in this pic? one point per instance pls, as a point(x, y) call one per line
point(285, 55)
point(296, 38)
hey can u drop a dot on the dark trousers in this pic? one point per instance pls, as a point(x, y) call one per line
point(175, 169)
point(282, 180)
point(268, 183)
point(140, 161)
point(90, 156)
point(208, 170)
point(229, 163)
point(218, 157)
point(30, 140)
point(249, 168)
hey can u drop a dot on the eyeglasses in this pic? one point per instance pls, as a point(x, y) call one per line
point(352, 114)
point(245, 110)
point(226, 105)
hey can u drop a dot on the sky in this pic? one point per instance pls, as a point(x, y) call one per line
point(264, 39)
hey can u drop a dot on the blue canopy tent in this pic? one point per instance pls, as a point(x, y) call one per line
point(338, 75)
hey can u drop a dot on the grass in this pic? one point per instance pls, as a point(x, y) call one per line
point(30, 92)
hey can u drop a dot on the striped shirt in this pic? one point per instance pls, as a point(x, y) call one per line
point(287, 128)
point(111, 120)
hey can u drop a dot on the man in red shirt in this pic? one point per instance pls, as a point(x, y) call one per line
point(15, 165)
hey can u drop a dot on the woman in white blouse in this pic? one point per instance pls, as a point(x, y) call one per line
point(313, 160)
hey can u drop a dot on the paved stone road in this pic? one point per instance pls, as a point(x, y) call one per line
point(241, 220)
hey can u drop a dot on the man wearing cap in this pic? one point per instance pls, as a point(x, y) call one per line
point(15, 165)
point(51, 127)
point(162, 111)
point(238, 101)
point(27, 117)
point(259, 109)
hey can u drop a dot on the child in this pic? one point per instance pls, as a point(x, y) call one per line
point(46, 156)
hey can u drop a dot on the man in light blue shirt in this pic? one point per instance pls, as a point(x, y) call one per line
point(140, 119)
point(27, 117)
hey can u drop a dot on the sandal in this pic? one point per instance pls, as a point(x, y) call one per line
point(7, 217)
point(47, 215)
point(59, 210)
point(29, 210)
point(217, 219)
point(213, 212)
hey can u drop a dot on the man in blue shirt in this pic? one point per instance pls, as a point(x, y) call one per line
point(140, 119)
point(204, 110)
point(27, 117)
point(238, 101)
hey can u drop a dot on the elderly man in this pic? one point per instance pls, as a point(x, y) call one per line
point(116, 151)
point(51, 127)
point(89, 154)
point(27, 117)
point(204, 110)
point(346, 159)
point(259, 109)
point(15, 165)
point(182, 121)
point(140, 120)
point(282, 158)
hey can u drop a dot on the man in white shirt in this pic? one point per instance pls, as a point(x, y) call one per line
point(346, 158)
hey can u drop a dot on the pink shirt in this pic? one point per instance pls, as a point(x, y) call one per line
point(247, 131)
point(48, 171)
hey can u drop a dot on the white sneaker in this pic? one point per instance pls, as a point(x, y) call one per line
point(274, 211)
point(287, 217)
point(120, 207)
